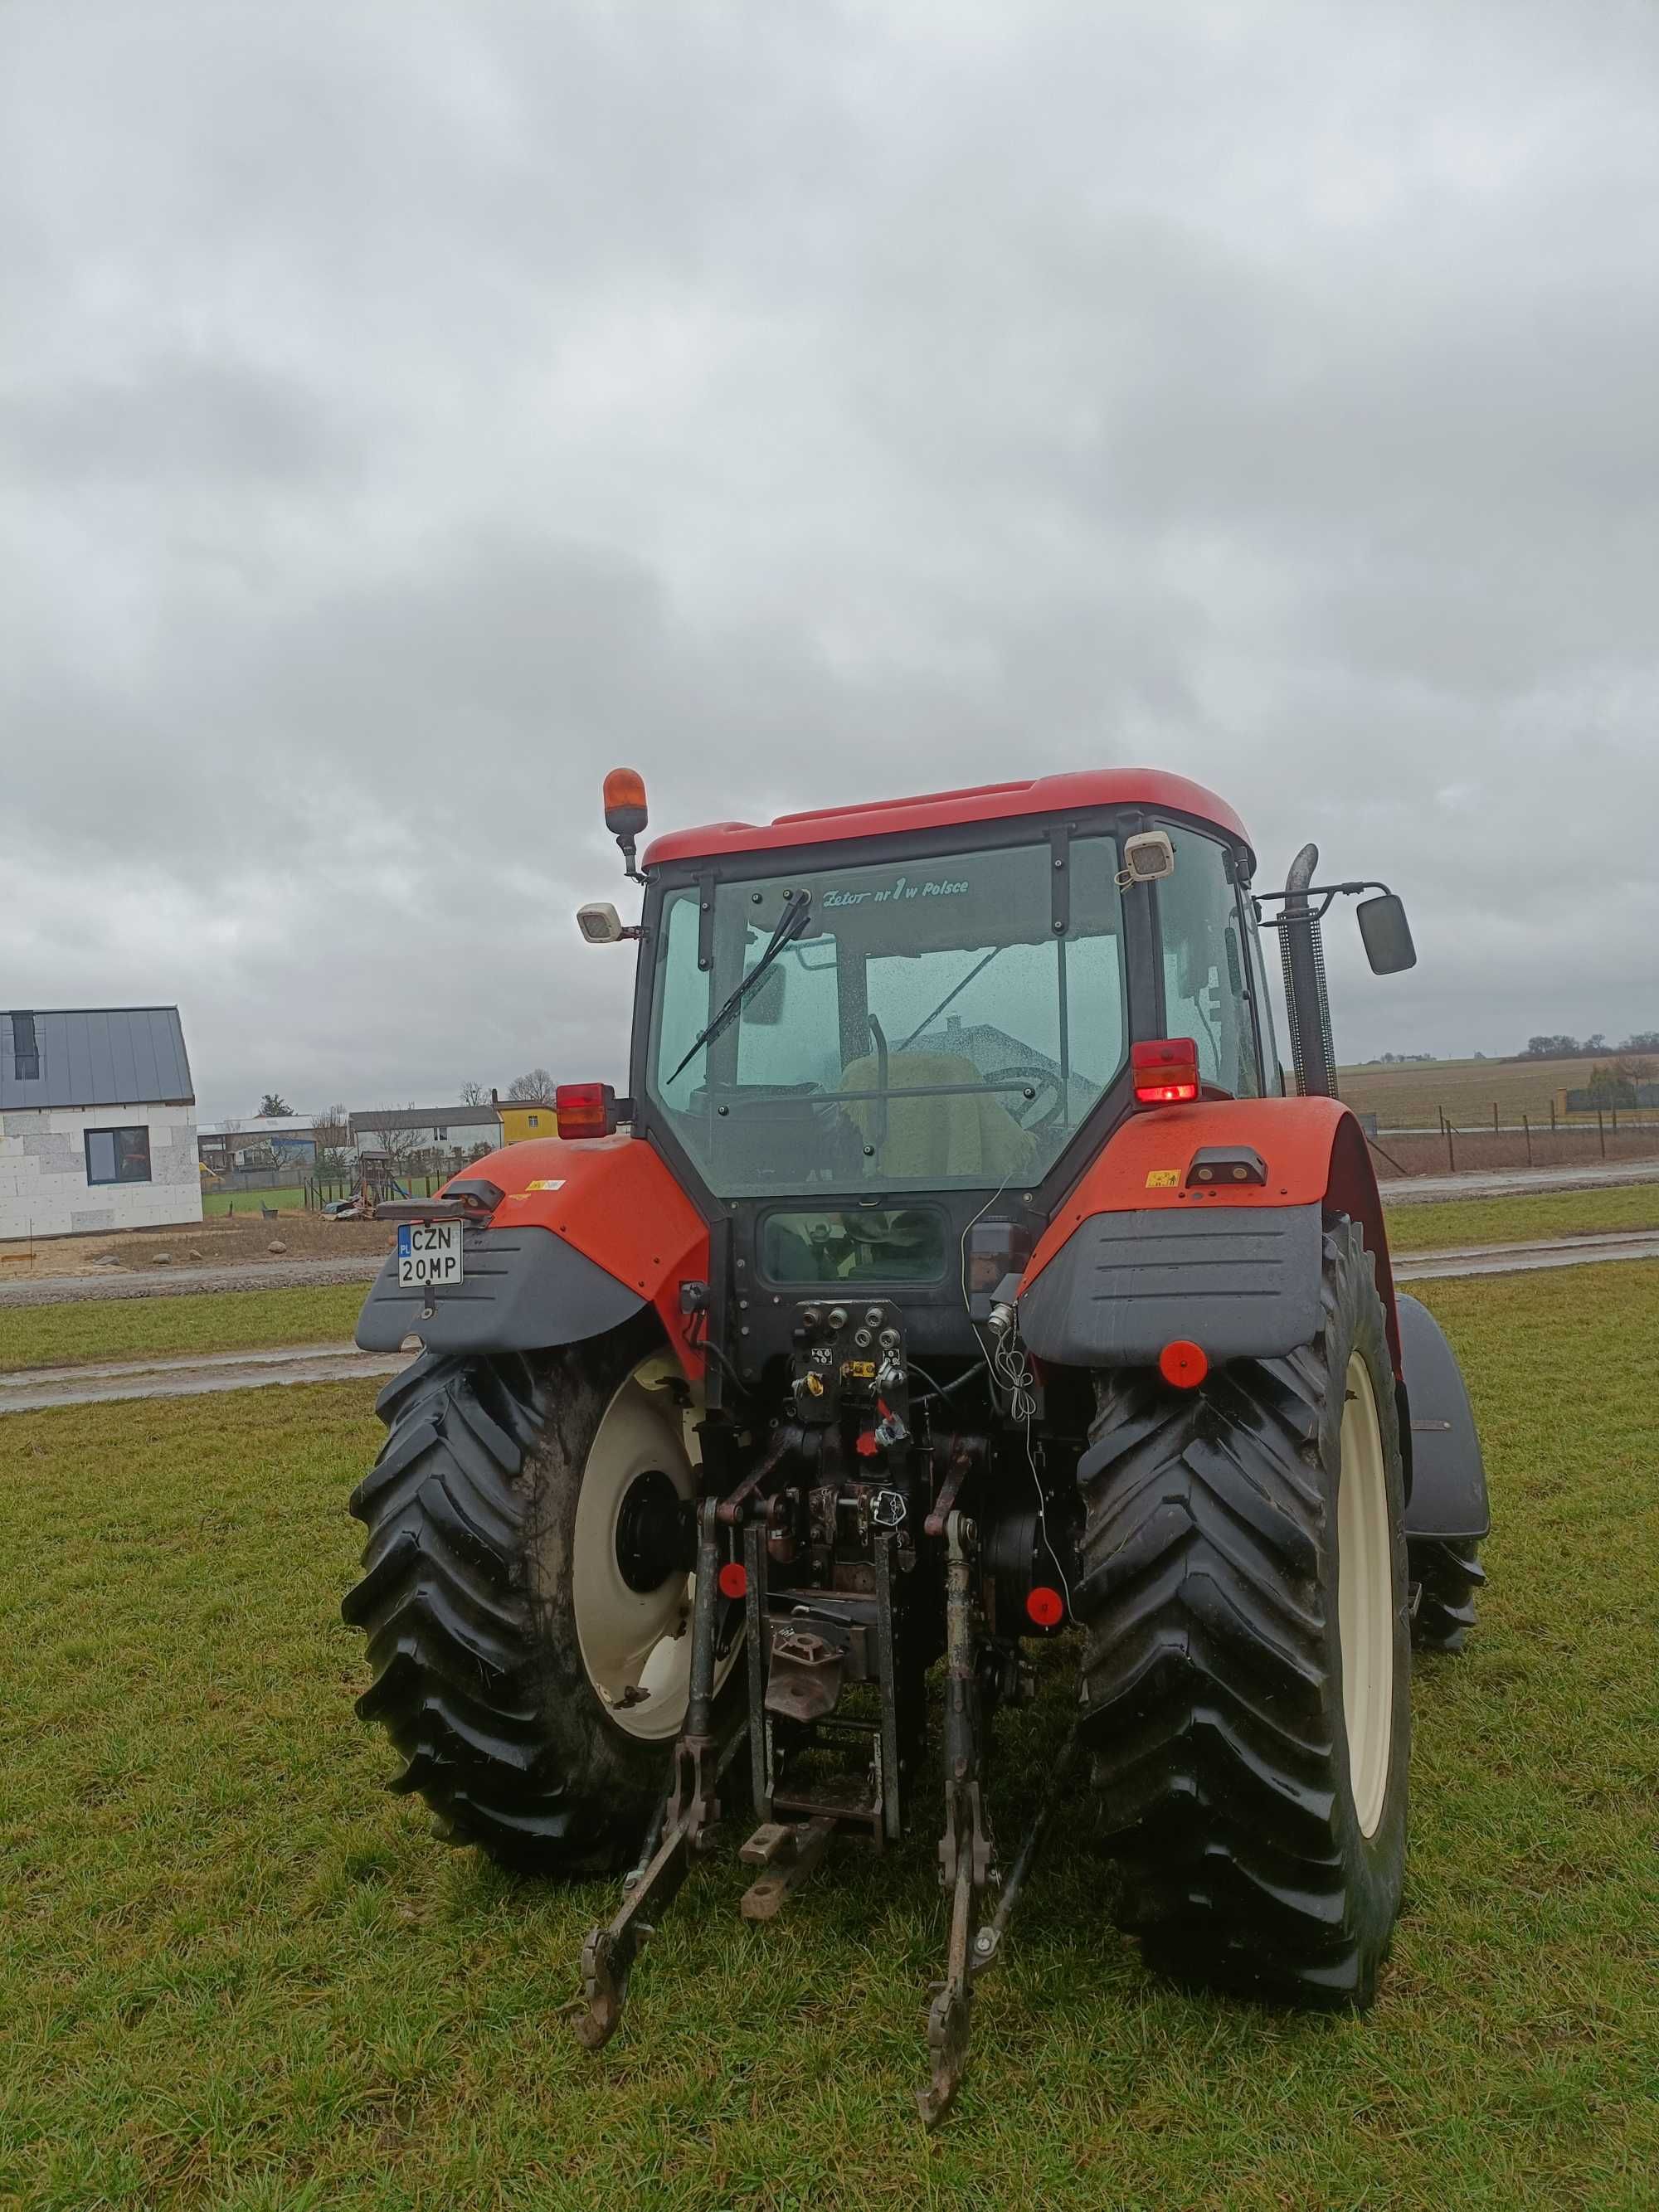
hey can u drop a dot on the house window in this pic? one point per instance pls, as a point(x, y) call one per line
point(25, 1048)
point(534, 1120)
point(118, 1156)
point(440, 1136)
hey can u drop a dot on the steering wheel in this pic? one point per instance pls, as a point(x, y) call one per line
point(1034, 1081)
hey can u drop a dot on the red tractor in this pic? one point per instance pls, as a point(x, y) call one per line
point(959, 1272)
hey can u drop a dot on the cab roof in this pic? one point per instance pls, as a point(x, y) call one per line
point(1152, 788)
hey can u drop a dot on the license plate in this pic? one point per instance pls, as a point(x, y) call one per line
point(429, 1252)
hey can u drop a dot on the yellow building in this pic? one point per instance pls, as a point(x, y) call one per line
point(524, 1118)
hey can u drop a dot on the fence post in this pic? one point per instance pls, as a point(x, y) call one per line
point(1526, 1125)
point(1451, 1150)
point(1601, 1131)
point(1494, 1117)
point(1551, 1117)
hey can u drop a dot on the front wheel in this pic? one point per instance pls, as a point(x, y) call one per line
point(1446, 1574)
point(1245, 1686)
point(527, 1594)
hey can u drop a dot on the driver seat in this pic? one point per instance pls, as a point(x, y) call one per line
point(958, 1138)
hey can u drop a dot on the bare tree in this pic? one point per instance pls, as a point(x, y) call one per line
point(472, 1094)
point(535, 1088)
point(400, 1145)
point(332, 1132)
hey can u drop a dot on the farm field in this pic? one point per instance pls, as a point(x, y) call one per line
point(1411, 1097)
point(236, 1974)
point(1454, 1221)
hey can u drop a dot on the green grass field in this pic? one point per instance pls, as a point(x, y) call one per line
point(216, 1203)
point(85, 1329)
point(234, 1973)
point(1440, 1223)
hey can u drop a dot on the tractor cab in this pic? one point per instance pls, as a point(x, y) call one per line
point(878, 1045)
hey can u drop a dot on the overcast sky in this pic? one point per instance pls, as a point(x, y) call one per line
point(407, 412)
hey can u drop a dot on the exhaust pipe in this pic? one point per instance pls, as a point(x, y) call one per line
point(1307, 999)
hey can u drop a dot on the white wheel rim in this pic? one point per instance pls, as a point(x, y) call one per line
point(636, 1646)
point(1364, 1598)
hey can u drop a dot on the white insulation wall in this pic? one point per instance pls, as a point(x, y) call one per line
point(44, 1191)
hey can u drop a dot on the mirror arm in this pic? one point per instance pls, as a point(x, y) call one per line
point(1325, 892)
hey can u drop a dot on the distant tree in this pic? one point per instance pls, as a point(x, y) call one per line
point(1609, 1086)
point(401, 1147)
point(274, 1102)
point(1594, 1044)
point(536, 1087)
point(1552, 1048)
point(472, 1094)
point(1641, 1041)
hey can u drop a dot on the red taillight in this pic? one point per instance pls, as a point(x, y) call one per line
point(585, 1109)
point(1183, 1363)
point(1045, 1606)
point(1165, 1071)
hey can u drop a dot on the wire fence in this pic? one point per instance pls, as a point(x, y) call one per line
point(1452, 1143)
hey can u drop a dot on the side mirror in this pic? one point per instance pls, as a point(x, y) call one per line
point(764, 1004)
point(625, 814)
point(1387, 933)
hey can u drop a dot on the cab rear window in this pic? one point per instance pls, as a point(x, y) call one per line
point(854, 1244)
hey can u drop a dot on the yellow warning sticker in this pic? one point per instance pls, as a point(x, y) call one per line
point(1158, 1179)
point(546, 1186)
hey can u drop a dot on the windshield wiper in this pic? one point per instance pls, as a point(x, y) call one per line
point(955, 992)
point(791, 922)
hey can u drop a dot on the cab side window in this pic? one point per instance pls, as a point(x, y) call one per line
point(1206, 989)
point(1264, 1004)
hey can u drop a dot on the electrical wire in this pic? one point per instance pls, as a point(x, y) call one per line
point(937, 1390)
point(1011, 1365)
point(697, 1340)
point(1020, 1384)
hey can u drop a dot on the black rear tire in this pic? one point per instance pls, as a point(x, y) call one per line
point(1446, 1573)
point(478, 1677)
point(1212, 1695)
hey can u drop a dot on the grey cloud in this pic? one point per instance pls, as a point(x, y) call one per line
point(183, 419)
point(407, 410)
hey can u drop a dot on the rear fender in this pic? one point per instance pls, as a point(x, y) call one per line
point(1448, 1497)
point(587, 1235)
point(1137, 1255)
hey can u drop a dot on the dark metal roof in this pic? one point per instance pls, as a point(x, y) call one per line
point(93, 1056)
point(425, 1117)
